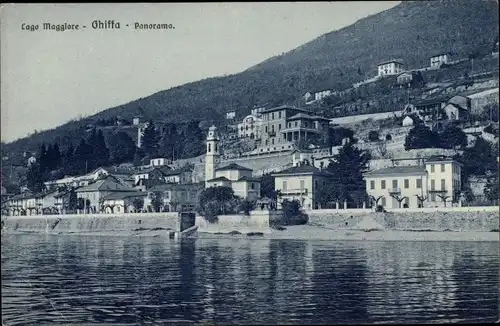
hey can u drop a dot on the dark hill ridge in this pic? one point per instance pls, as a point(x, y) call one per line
point(412, 30)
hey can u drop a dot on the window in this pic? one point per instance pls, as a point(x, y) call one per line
point(296, 123)
point(266, 128)
point(279, 126)
point(443, 184)
point(305, 124)
point(289, 124)
point(267, 141)
point(383, 202)
point(253, 186)
point(394, 184)
point(442, 167)
point(382, 184)
point(272, 128)
point(301, 185)
point(407, 183)
point(432, 168)
point(433, 184)
point(372, 184)
point(209, 147)
point(272, 141)
point(433, 197)
point(419, 183)
point(272, 116)
point(284, 185)
point(279, 114)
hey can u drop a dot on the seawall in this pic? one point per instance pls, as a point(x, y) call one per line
point(90, 222)
point(479, 219)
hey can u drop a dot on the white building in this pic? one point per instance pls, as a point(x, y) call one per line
point(391, 67)
point(230, 115)
point(301, 182)
point(235, 176)
point(159, 161)
point(436, 183)
point(322, 94)
point(250, 127)
point(440, 59)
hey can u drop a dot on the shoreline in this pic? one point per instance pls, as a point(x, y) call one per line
point(298, 232)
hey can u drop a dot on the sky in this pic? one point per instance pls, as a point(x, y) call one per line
point(50, 77)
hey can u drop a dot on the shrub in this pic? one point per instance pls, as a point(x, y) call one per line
point(373, 135)
point(246, 206)
point(292, 213)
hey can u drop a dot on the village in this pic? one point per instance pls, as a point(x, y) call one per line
point(291, 146)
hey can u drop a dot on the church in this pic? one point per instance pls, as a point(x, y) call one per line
point(232, 175)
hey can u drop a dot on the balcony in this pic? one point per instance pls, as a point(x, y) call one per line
point(294, 191)
point(434, 191)
point(271, 133)
point(301, 129)
point(394, 191)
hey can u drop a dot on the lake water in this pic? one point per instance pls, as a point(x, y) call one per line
point(79, 279)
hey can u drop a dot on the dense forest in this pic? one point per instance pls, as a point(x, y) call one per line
point(412, 31)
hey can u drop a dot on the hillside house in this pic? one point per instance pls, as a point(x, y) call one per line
point(159, 161)
point(230, 115)
point(250, 127)
point(436, 183)
point(405, 78)
point(307, 96)
point(322, 94)
point(391, 67)
point(481, 99)
point(181, 176)
point(455, 112)
point(439, 59)
point(156, 173)
point(431, 109)
point(301, 182)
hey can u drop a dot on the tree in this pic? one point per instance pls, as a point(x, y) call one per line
point(452, 137)
point(373, 135)
point(421, 200)
point(480, 158)
point(246, 206)
point(122, 147)
point(292, 213)
point(150, 140)
point(421, 136)
point(34, 178)
point(193, 142)
point(83, 157)
point(100, 150)
point(138, 203)
point(444, 198)
point(267, 186)
point(156, 202)
point(491, 189)
point(223, 197)
point(347, 182)
point(398, 198)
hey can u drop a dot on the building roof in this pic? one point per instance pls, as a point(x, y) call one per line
point(437, 159)
point(170, 186)
point(105, 184)
point(177, 171)
point(478, 92)
point(285, 107)
point(457, 106)
point(302, 169)
point(405, 170)
point(400, 61)
point(441, 53)
point(119, 170)
point(434, 100)
point(307, 116)
point(248, 179)
point(219, 179)
point(123, 195)
point(233, 166)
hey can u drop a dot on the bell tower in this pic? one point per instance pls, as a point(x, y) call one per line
point(212, 156)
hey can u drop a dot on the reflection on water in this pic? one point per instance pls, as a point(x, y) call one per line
point(76, 279)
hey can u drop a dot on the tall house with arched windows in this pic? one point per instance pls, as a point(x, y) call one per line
point(212, 156)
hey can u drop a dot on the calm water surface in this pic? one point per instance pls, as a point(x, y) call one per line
point(77, 279)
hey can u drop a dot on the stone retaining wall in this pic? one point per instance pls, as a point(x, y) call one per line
point(90, 222)
point(474, 220)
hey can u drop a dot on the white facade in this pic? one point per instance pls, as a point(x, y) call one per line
point(160, 161)
point(230, 115)
point(250, 127)
point(436, 181)
point(322, 94)
point(390, 68)
point(438, 60)
point(407, 121)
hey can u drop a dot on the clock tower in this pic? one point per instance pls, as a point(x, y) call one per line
point(212, 156)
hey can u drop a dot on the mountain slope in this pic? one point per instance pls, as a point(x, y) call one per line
point(412, 31)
